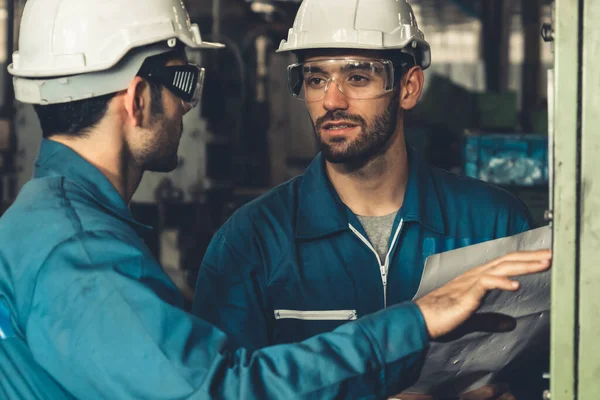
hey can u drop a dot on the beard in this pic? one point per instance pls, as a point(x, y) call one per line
point(160, 152)
point(371, 142)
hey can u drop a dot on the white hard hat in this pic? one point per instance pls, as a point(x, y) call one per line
point(61, 38)
point(358, 24)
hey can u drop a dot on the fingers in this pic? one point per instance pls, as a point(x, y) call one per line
point(516, 268)
point(447, 307)
point(519, 256)
point(537, 255)
point(492, 282)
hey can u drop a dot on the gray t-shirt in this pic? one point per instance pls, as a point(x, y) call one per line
point(379, 230)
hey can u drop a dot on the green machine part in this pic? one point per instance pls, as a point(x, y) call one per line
point(575, 321)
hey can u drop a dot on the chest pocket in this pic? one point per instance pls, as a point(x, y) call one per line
point(314, 289)
point(310, 307)
point(317, 315)
point(6, 331)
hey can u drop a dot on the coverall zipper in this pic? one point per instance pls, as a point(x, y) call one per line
point(320, 315)
point(383, 267)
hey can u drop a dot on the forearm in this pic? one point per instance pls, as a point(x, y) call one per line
point(374, 357)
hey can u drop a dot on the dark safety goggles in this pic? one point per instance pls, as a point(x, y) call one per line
point(184, 81)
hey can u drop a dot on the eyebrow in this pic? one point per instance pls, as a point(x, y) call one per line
point(347, 67)
point(357, 66)
point(313, 69)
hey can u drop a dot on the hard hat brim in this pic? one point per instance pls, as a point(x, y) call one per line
point(425, 48)
point(101, 67)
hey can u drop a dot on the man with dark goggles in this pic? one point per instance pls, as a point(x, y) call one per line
point(184, 81)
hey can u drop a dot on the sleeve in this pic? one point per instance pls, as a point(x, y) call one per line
point(228, 296)
point(99, 327)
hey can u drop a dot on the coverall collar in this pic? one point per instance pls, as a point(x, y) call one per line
point(321, 212)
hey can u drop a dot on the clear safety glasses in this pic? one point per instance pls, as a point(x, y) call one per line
point(184, 81)
point(357, 79)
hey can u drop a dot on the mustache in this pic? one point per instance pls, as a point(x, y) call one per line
point(339, 115)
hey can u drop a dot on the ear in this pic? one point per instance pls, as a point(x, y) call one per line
point(135, 101)
point(411, 88)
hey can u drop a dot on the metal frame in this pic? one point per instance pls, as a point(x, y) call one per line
point(589, 252)
point(562, 321)
point(563, 303)
point(575, 320)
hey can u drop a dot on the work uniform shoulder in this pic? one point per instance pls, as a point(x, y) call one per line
point(37, 225)
point(65, 205)
point(480, 203)
point(272, 212)
point(41, 210)
point(42, 225)
point(100, 247)
point(44, 215)
point(473, 191)
point(258, 231)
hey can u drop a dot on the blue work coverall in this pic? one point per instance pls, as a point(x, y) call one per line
point(296, 262)
point(85, 311)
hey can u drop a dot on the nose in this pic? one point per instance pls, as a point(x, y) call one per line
point(334, 98)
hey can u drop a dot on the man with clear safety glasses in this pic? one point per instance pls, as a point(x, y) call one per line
point(351, 235)
point(357, 79)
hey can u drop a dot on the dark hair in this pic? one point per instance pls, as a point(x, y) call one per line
point(402, 63)
point(156, 104)
point(77, 118)
point(156, 107)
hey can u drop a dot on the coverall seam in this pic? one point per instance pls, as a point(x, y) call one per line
point(380, 367)
point(75, 218)
point(257, 267)
point(257, 287)
point(380, 359)
point(423, 336)
point(43, 265)
point(235, 253)
point(71, 210)
point(75, 237)
point(524, 224)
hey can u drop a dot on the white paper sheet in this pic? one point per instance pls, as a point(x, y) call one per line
point(475, 359)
